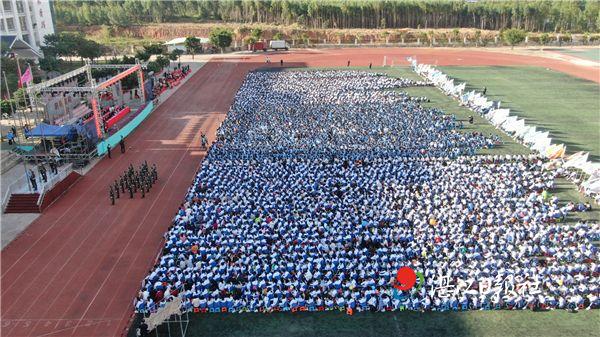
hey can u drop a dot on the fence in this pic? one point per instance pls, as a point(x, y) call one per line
point(13, 188)
point(52, 181)
point(126, 130)
point(22, 185)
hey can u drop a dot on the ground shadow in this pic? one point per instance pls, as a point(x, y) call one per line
point(322, 324)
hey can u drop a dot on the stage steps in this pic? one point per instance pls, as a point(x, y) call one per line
point(23, 203)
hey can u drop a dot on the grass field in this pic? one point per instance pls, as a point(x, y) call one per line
point(473, 323)
point(450, 106)
point(432, 324)
point(566, 106)
point(564, 190)
point(592, 54)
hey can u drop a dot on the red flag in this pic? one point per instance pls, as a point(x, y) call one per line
point(19, 72)
point(26, 77)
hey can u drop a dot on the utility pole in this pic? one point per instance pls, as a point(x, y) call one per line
point(13, 114)
point(31, 103)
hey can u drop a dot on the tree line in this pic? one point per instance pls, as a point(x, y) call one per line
point(60, 49)
point(65, 45)
point(573, 16)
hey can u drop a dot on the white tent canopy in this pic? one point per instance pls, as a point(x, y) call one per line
point(501, 118)
point(576, 160)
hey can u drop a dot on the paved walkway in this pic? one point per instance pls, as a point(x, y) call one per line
point(14, 224)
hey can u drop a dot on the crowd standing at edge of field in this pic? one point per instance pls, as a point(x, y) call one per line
point(322, 184)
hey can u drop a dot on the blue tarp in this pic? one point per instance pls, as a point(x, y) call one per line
point(47, 130)
point(88, 131)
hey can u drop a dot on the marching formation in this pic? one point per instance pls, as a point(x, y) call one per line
point(322, 184)
point(133, 181)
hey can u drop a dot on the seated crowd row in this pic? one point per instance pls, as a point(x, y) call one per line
point(322, 184)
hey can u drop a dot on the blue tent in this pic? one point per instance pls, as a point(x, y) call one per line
point(88, 131)
point(47, 130)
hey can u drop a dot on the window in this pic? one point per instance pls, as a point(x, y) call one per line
point(43, 24)
point(10, 24)
point(23, 23)
point(20, 7)
point(7, 6)
point(41, 13)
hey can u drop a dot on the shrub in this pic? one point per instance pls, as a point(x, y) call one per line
point(513, 36)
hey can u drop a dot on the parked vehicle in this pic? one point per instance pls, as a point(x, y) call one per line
point(256, 46)
point(278, 44)
point(273, 44)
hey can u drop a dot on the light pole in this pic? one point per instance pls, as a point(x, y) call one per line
point(13, 114)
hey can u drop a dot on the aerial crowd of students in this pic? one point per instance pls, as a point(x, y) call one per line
point(322, 184)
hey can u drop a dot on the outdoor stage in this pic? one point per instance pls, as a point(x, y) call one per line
point(77, 268)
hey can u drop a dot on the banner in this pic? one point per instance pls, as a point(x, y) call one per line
point(26, 77)
point(163, 314)
point(128, 128)
point(114, 119)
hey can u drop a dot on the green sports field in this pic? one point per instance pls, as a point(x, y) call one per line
point(431, 324)
point(592, 54)
point(543, 115)
point(567, 107)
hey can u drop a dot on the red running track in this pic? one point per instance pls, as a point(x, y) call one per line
point(435, 56)
point(77, 268)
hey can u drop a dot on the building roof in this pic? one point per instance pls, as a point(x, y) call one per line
point(19, 47)
point(181, 40)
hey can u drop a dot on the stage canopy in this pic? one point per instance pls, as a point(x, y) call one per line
point(47, 130)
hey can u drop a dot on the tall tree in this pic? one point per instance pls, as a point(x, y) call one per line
point(162, 61)
point(154, 49)
point(221, 37)
point(193, 45)
point(88, 49)
point(142, 55)
point(538, 15)
point(62, 44)
point(256, 33)
point(175, 54)
point(49, 63)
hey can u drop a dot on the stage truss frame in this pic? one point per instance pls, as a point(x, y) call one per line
point(94, 88)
